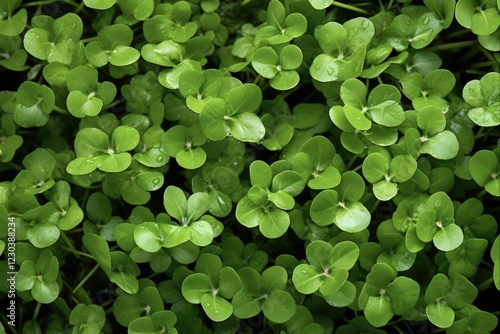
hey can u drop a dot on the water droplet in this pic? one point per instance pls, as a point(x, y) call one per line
point(317, 67)
point(426, 20)
point(330, 70)
point(216, 311)
point(156, 182)
point(304, 271)
point(208, 305)
point(159, 158)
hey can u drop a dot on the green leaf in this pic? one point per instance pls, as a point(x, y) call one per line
point(124, 138)
point(260, 174)
point(404, 293)
point(353, 218)
point(324, 207)
point(245, 98)
point(246, 127)
point(378, 310)
point(440, 314)
point(442, 146)
point(265, 62)
point(212, 120)
point(217, 308)
point(448, 238)
point(175, 203)
point(99, 4)
point(279, 306)
point(273, 224)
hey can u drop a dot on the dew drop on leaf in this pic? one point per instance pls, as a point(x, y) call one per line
point(426, 20)
point(304, 271)
point(156, 181)
point(208, 305)
point(159, 158)
point(330, 70)
point(216, 311)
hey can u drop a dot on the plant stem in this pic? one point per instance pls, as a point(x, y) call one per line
point(374, 206)
point(350, 7)
point(351, 162)
point(60, 110)
point(485, 284)
point(70, 245)
point(37, 310)
point(74, 251)
point(86, 278)
point(448, 46)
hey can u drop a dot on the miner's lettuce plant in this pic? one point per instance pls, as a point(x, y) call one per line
point(250, 166)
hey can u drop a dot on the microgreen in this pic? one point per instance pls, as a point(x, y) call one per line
point(282, 166)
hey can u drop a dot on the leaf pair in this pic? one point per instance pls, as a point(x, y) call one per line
point(280, 69)
point(327, 271)
point(385, 172)
point(211, 286)
point(113, 46)
point(53, 40)
point(381, 106)
point(191, 224)
point(264, 293)
point(86, 95)
point(40, 277)
point(117, 265)
point(344, 49)
point(316, 163)
point(281, 28)
point(34, 103)
point(235, 116)
point(271, 194)
point(385, 295)
point(342, 206)
point(95, 151)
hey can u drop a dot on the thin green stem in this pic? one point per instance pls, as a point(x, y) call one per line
point(485, 284)
point(257, 79)
point(80, 7)
point(74, 251)
point(351, 162)
point(60, 110)
point(389, 6)
point(397, 329)
point(37, 310)
point(112, 104)
point(449, 46)
point(39, 3)
point(70, 245)
point(86, 278)
point(89, 39)
point(374, 206)
point(350, 7)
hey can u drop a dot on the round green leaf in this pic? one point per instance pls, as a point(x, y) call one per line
point(442, 146)
point(324, 207)
point(279, 306)
point(378, 310)
point(306, 278)
point(265, 62)
point(352, 218)
point(191, 158)
point(448, 238)
point(273, 224)
point(440, 314)
point(217, 308)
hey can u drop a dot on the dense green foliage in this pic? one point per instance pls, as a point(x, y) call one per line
point(250, 166)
